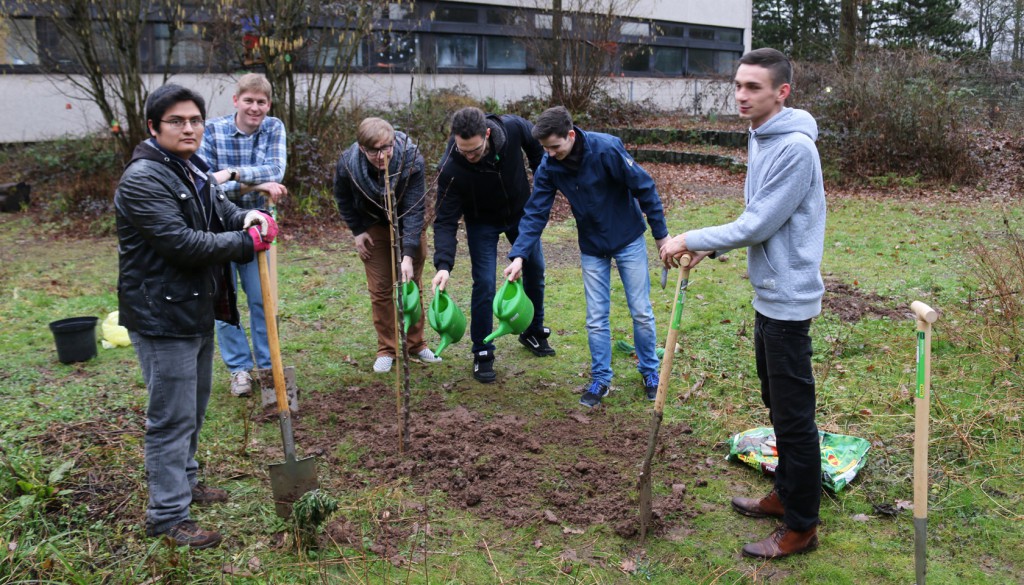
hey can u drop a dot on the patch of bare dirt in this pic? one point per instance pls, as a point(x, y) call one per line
point(574, 471)
point(851, 304)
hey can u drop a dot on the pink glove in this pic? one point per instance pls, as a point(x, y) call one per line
point(271, 228)
point(266, 223)
point(259, 243)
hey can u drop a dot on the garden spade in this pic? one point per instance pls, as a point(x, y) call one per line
point(925, 317)
point(291, 479)
point(659, 401)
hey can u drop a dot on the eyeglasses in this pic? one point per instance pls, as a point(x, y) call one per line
point(471, 150)
point(375, 152)
point(179, 123)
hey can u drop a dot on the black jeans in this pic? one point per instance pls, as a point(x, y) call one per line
point(783, 350)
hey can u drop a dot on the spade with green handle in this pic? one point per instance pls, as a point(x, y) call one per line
point(925, 317)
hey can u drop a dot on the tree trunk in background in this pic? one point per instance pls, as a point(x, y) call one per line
point(558, 53)
point(848, 33)
point(1017, 54)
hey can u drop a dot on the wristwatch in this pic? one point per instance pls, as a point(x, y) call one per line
point(233, 176)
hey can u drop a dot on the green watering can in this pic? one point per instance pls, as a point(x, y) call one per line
point(412, 310)
point(513, 309)
point(447, 319)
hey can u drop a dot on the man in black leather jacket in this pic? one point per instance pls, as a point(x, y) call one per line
point(176, 234)
point(483, 180)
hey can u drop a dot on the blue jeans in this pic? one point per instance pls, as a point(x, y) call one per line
point(482, 239)
point(179, 374)
point(631, 262)
point(783, 353)
point(234, 346)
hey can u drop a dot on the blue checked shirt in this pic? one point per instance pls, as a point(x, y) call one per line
point(259, 157)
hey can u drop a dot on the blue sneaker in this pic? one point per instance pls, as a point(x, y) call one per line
point(592, 397)
point(651, 386)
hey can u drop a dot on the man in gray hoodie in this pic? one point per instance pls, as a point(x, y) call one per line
point(783, 228)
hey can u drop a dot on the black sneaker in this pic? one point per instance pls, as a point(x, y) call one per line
point(537, 342)
point(188, 533)
point(483, 366)
point(651, 386)
point(592, 397)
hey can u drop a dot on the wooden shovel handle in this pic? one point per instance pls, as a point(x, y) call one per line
point(673, 332)
point(924, 312)
point(270, 312)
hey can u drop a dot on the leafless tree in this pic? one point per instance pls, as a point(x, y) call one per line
point(992, 20)
point(579, 42)
point(96, 53)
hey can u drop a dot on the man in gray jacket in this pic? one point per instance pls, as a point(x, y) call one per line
point(783, 228)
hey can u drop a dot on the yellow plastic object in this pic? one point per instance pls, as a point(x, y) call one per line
point(513, 309)
point(447, 319)
point(114, 335)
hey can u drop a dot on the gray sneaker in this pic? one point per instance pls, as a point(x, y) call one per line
point(241, 384)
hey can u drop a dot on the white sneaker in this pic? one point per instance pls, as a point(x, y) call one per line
point(426, 356)
point(383, 364)
point(241, 384)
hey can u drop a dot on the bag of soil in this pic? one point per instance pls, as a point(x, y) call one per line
point(842, 456)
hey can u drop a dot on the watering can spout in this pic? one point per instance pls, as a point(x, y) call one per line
point(445, 342)
point(503, 329)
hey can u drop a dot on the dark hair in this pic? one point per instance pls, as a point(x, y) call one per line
point(165, 96)
point(469, 122)
point(779, 67)
point(554, 121)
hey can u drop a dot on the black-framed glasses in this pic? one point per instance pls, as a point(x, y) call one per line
point(471, 150)
point(375, 152)
point(179, 123)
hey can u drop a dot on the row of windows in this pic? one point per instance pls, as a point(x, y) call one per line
point(451, 38)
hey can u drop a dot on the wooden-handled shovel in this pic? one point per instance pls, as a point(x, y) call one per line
point(925, 317)
point(659, 401)
point(291, 479)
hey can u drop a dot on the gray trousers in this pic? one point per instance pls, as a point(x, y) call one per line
point(179, 374)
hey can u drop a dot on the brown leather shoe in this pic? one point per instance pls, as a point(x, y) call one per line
point(782, 543)
point(188, 533)
point(204, 494)
point(769, 505)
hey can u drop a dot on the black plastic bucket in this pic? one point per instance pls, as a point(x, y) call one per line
point(75, 338)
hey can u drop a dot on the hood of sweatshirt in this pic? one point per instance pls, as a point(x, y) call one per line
point(787, 121)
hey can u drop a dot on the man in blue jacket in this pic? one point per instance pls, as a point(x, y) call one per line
point(483, 180)
point(783, 229)
point(609, 195)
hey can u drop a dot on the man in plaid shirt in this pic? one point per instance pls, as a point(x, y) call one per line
point(247, 151)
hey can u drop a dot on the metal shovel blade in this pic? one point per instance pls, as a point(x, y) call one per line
point(291, 479)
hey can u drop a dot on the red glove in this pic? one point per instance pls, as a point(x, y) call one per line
point(259, 243)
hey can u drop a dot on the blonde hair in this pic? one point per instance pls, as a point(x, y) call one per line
point(254, 83)
point(374, 130)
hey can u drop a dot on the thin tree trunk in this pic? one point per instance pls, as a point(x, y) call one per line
point(848, 33)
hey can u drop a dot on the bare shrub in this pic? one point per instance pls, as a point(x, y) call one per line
point(904, 113)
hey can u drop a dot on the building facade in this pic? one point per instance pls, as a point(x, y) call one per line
point(674, 53)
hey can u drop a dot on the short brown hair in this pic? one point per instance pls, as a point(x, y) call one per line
point(779, 67)
point(254, 83)
point(373, 130)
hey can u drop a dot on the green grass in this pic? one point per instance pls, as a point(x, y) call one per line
point(902, 250)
